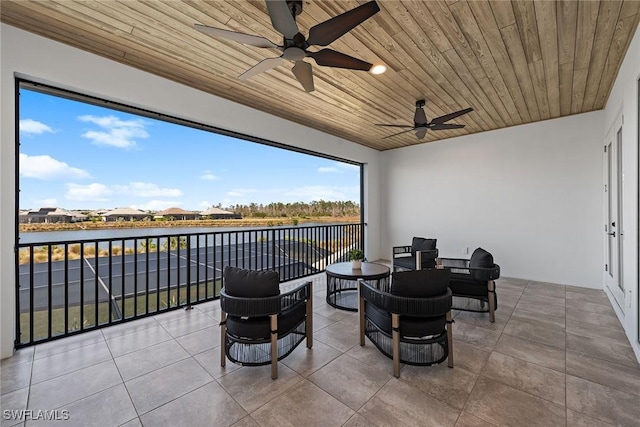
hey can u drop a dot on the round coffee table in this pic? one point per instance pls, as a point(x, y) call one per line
point(342, 282)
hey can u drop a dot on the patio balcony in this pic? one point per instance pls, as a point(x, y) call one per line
point(556, 355)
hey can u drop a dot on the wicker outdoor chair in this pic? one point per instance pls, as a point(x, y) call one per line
point(420, 255)
point(259, 325)
point(473, 282)
point(412, 323)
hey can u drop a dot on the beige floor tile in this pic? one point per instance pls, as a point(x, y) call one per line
point(451, 386)
point(140, 362)
point(63, 345)
point(350, 381)
point(358, 420)
point(610, 374)
point(531, 351)
point(531, 378)
point(320, 408)
point(210, 361)
point(468, 420)
point(546, 289)
point(596, 331)
point(76, 385)
point(320, 322)
point(604, 320)
point(13, 401)
point(475, 335)
point(596, 297)
point(373, 357)
point(500, 404)
point(128, 327)
point(253, 387)
point(202, 340)
point(542, 306)
point(57, 364)
point(165, 384)
point(339, 336)
point(214, 408)
point(132, 423)
point(577, 419)
point(306, 361)
point(246, 422)
point(590, 307)
point(612, 351)
point(110, 407)
point(331, 313)
point(539, 319)
point(190, 322)
point(15, 377)
point(469, 357)
point(544, 333)
point(400, 404)
point(137, 339)
point(601, 402)
point(22, 355)
point(482, 319)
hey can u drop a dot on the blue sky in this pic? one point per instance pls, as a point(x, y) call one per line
point(79, 156)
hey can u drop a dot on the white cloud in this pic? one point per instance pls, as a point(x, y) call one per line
point(90, 192)
point(34, 127)
point(47, 168)
point(118, 133)
point(338, 167)
point(241, 192)
point(146, 189)
point(208, 176)
point(157, 205)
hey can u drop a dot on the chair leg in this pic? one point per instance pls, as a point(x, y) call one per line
point(223, 338)
point(492, 300)
point(361, 315)
point(309, 320)
point(274, 345)
point(395, 327)
point(450, 339)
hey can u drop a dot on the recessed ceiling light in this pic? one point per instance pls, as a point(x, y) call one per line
point(378, 69)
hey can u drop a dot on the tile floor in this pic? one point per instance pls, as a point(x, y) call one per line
point(555, 356)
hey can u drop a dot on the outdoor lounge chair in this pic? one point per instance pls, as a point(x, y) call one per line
point(473, 282)
point(420, 255)
point(412, 323)
point(259, 325)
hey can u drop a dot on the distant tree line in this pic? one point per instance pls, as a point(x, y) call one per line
point(297, 209)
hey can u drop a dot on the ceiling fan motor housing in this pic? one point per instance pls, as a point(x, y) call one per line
point(295, 6)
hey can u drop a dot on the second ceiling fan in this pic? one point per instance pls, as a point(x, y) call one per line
point(421, 125)
point(295, 46)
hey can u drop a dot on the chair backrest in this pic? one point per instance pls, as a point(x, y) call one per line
point(481, 259)
point(422, 244)
point(243, 283)
point(420, 283)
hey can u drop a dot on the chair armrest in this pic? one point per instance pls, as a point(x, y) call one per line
point(429, 254)
point(420, 307)
point(454, 262)
point(399, 250)
point(296, 296)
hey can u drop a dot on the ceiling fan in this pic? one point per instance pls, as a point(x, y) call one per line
point(421, 126)
point(295, 45)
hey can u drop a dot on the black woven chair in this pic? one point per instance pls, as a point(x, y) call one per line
point(473, 282)
point(259, 325)
point(411, 322)
point(420, 255)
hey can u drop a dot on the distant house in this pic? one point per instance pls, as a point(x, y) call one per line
point(217, 213)
point(177, 214)
point(125, 214)
point(50, 215)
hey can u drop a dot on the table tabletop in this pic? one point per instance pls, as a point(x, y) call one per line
point(369, 270)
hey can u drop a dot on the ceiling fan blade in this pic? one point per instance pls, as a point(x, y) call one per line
point(281, 18)
point(243, 38)
point(302, 71)
point(399, 133)
point(260, 67)
point(450, 116)
point(332, 29)
point(444, 126)
point(420, 118)
point(421, 133)
point(331, 58)
point(394, 126)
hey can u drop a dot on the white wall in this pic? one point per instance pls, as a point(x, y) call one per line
point(530, 194)
point(624, 99)
point(29, 56)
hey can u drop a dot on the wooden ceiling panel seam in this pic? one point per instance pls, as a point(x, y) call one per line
point(528, 29)
point(548, 35)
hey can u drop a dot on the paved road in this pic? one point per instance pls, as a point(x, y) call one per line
point(154, 271)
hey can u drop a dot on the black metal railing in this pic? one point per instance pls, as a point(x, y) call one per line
point(69, 287)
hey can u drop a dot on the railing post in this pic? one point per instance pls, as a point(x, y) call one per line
point(188, 275)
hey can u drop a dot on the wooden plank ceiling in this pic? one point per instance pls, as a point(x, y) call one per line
point(513, 62)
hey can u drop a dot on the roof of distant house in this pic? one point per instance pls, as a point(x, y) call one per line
point(216, 211)
point(175, 211)
point(125, 211)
